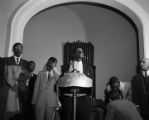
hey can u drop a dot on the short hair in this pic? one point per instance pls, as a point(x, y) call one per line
point(16, 45)
point(74, 49)
point(53, 59)
point(115, 94)
point(31, 62)
point(113, 80)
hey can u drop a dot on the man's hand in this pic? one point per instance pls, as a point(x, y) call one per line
point(59, 105)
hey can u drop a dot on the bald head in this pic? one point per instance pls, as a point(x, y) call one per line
point(145, 64)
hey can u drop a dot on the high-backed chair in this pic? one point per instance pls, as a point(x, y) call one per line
point(88, 49)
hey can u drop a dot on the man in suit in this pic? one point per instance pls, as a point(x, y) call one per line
point(30, 113)
point(2, 88)
point(140, 88)
point(77, 64)
point(14, 87)
point(45, 97)
point(83, 99)
point(1, 71)
point(32, 79)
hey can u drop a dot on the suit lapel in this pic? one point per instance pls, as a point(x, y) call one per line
point(11, 61)
point(142, 82)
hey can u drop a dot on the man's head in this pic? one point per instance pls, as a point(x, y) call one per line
point(78, 53)
point(31, 66)
point(114, 94)
point(114, 82)
point(17, 49)
point(144, 64)
point(52, 61)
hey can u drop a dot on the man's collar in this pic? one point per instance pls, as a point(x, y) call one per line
point(78, 60)
point(31, 74)
point(15, 57)
point(145, 73)
point(48, 72)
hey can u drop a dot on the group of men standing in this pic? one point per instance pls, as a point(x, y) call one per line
point(15, 75)
point(17, 91)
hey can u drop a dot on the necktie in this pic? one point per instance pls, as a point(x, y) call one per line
point(17, 60)
point(49, 77)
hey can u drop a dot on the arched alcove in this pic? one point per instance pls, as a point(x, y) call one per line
point(32, 7)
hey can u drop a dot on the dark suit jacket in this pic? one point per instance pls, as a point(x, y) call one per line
point(139, 95)
point(32, 80)
point(1, 71)
point(11, 61)
point(2, 89)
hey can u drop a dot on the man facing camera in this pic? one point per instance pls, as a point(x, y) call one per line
point(30, 113)
point(83, 104)
point(14, 86)
point(77, 64)
point(45, 97)
point(140, 88)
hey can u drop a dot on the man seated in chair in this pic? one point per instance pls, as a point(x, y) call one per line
point(83, 107)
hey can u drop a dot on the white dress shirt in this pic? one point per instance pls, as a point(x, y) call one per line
point(50, 74)
point(17, 59)
point(76, 65)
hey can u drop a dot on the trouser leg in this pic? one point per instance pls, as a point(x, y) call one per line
point(50, 113)
point(40, 113)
